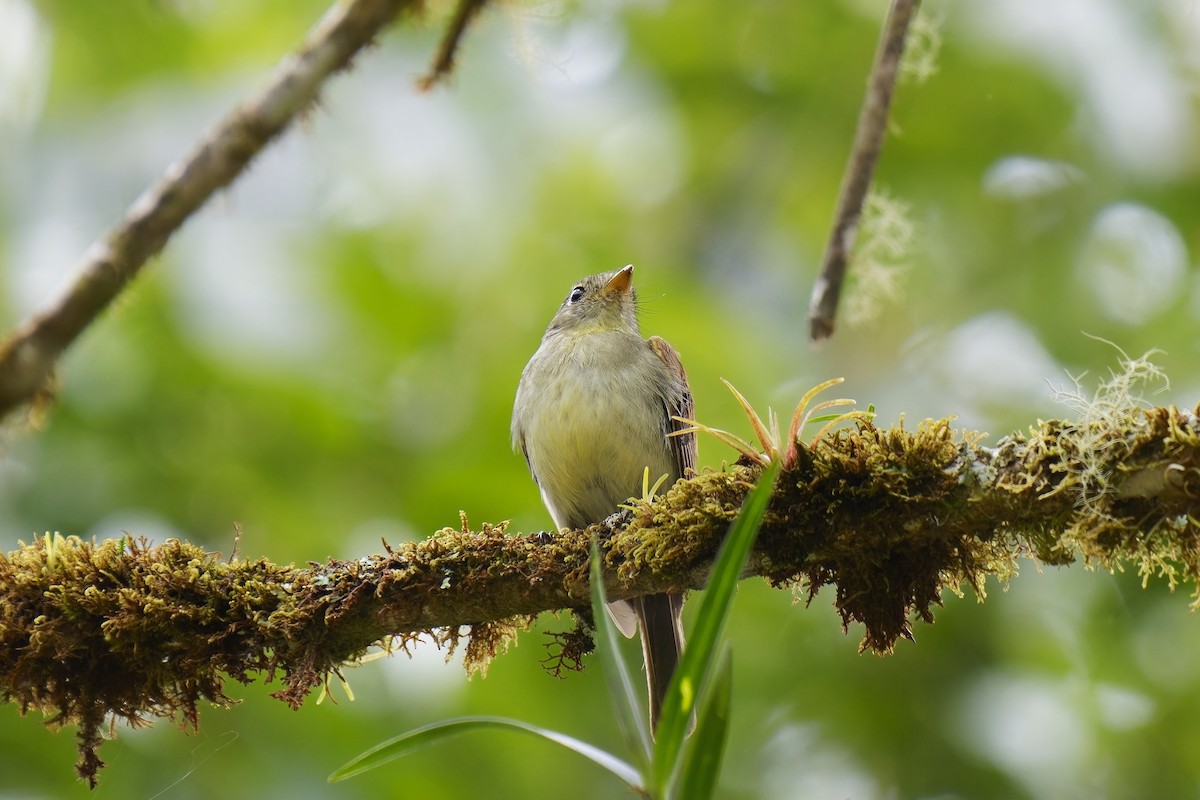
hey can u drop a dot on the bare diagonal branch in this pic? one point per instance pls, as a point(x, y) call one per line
point(29, 354)
point(868, 141)
point(443, 61)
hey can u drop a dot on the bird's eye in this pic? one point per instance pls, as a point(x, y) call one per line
point(576, 295)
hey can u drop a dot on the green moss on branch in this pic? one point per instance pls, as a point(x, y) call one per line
point(889, 517)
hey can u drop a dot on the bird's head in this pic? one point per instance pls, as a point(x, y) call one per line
point(598, 303)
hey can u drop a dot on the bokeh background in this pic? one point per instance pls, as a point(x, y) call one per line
point(327, 354)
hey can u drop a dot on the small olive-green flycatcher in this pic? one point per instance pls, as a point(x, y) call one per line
point(593, 410)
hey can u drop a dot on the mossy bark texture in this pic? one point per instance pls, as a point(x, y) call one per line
point(91, 632)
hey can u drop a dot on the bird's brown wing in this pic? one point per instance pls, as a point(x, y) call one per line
point(658, 615)
point(684, 446)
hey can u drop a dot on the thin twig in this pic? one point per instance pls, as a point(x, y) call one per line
point(29, 353)
point(443, 62)
point(872, 124)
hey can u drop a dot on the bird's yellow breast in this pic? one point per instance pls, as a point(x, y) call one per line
point(596, 422)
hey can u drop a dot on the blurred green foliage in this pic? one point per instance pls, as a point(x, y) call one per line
point(328, 353)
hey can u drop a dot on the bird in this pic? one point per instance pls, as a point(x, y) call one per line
point(593, 411)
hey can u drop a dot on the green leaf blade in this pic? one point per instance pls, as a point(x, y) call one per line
point(621, 691)
point(696, 663)
point(437, 732)
point(702, 760)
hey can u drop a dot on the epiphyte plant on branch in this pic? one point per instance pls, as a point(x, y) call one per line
point(668, 764)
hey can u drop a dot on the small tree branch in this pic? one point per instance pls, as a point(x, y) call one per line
point(890, 518)
point(29, 354)
point(443, 62)
point(868, 141)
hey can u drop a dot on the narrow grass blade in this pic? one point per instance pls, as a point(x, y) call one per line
point(724, 437)
point(621, 691)
point(770, 443)
point(429, 735)
point(702, 758)
point(702, 639)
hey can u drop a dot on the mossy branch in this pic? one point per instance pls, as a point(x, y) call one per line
point(890, 518)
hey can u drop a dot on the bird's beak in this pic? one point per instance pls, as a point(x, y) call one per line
point(620, 283)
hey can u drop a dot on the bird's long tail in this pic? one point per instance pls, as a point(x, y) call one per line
point(662, 644)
